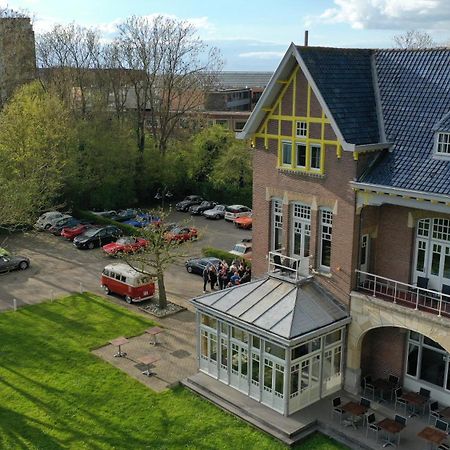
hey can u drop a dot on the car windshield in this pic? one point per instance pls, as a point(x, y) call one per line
point(239, 248)
point(176, 230)
point(205, 203)
point(125, 240)
point(91, 232)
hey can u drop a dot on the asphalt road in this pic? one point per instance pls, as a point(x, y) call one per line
point(58, 268)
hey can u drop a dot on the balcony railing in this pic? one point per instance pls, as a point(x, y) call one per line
point(288, 267)
point(404, 294)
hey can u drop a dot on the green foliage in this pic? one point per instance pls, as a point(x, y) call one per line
point(35, 138)
point(94, 218)
point(221, 254)
point(104, 163)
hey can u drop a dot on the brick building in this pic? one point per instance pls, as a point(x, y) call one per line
point(352, 213)
point(17, 54)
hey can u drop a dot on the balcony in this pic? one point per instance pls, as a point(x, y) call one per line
point(288, 268)
point(403, 294)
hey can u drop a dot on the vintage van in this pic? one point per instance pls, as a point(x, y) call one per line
point(122, 279)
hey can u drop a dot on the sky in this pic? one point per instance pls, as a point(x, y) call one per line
point(253, 35)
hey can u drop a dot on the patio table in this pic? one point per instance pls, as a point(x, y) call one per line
point(118, 342)
point(414, 399)
point(445, 413)
point(148, 361)
point(154, 331)
point(392, 428)
point(433, 436)
point(355, 410)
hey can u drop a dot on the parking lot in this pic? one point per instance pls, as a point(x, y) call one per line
point(58, 268)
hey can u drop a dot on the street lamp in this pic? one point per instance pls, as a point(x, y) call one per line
point(163, 194)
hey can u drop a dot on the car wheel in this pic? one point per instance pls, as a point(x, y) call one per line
point(106, 289)
point(90, 245)
point(217, 216)
point(23, 265)
point(128, 299)
point(47, 226)
point(189, 269)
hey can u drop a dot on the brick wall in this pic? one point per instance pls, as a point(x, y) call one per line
point(382, 352)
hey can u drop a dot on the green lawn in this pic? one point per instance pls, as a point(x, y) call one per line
point(55, 394)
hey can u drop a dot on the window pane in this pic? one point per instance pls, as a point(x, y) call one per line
point(447, 263)
point(279, 382)
point(224, 353)
point(420, 265)
point(315, 156)
point(301, 155)
point(268, 374)
point(431, 343)
point(256, 342)
point(244, 362)
point(208, 321)
point(436, 259)
point(337, 360)
point(213, 355)
point(297, 243)
point(299, 351)
point(432, 367)
point(274, 350)
point(204, 344)
point(413, 353)
point(326, 253)
point(287, 153)
point(255, 368)
point(333, 337)
point(294, 380)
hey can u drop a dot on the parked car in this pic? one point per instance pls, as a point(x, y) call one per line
point(181, 234)
point(97, 237)
point(126, 244)
point(48, 219)
point(215, 213)
point(124, 280)
point(125, 214)
point(245, 222)
point(234, 211)
point(67, 222)
point(106, 214)
point(10, 262)
point(143, 220)
point(243, 249)
point(71, 232)
point(189, 201)
point(199, 209)
point(197, 265)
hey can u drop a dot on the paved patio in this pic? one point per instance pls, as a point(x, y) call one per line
point(316, 417)
point(176, 353)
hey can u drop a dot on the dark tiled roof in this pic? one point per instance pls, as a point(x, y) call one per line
point(227, 80)
point(443, 124)
point(415, 97)
point(344, 78)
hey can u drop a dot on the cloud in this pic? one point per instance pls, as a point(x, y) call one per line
point(387, 14)
point(262, 55)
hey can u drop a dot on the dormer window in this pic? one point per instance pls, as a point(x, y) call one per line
point(301, 129)
point(443, 144)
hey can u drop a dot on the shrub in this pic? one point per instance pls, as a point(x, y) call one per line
point(222, 254)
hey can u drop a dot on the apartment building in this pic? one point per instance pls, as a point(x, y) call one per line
point(351, 232)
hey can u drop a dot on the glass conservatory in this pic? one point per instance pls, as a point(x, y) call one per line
point(276, 341)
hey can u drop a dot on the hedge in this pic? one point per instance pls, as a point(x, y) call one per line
point(94, 218)
point(222, 254)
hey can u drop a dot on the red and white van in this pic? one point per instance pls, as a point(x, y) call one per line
point(122, 279)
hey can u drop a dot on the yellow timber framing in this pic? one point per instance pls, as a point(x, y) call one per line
point(275, 113)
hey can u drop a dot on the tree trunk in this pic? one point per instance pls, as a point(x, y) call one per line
point(162, 297)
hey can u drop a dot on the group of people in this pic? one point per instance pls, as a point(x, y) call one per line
point(224, 276)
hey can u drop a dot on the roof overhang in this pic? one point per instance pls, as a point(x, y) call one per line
point(377, 195)
point(270, 94)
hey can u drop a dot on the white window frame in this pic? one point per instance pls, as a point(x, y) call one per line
point(325, 230)
point(303, 144)
point(277, 222)
point(283, 143)
point(301, 129)
point(442, 145)
point(311, 146)
point(300, 224)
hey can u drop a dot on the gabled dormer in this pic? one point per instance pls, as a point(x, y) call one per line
point(441, 147)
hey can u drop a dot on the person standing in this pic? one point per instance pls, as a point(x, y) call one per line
point(213, 276)
point(205, 278)
point(223, 277)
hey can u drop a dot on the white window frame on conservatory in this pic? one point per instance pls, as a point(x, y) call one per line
point(300, 225)
point(325, 230)
point(277, 223)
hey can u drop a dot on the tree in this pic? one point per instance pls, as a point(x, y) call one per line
point(171, 68)
point(35, 137)
point(414, 39)
point(157, 256)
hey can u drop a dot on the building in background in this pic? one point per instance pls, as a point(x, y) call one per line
point(17, 54)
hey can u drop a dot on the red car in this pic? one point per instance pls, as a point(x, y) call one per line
point(244, 222)
point(126, 244)
point(73, 232)
point(181, 234)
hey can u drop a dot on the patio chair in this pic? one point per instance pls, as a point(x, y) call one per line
point(425, 393)
point(422, 282)
point(441, 425)
point(433, 413)
point(364, 402)
point(368, 387)
point(443, 446)
point(399, 400)
point(401, 420)
point(277, 262)
point(337, 409)
point(394, 381)
point(371, 425)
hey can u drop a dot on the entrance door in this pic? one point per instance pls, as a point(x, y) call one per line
point(208, 352)
point(239, 367)
point(439, 268)
point(273, 378)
